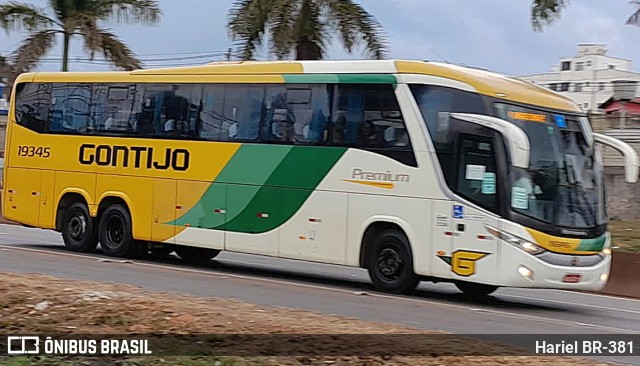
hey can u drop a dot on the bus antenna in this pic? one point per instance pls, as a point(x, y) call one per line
point(440, 56)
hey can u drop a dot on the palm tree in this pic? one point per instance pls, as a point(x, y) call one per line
point(303, 26)
point(7, 75)
point(544, 12)
point(70, 18)
point(4, 68)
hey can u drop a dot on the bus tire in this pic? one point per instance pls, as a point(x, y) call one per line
point(160, 250)
point(390, 263)
point(79, 232)
point(475, 289)
point(196, 255)
point(115, 232)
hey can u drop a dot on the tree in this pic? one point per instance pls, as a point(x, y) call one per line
point(4, 68)
point(68, 18)
point(304, 27)
point(7, 75)
point(545, 12)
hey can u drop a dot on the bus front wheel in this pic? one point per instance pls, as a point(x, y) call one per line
point(78, 229)
point(116, 238)
point(475, 289)
point(192, 254)
point(390, 263)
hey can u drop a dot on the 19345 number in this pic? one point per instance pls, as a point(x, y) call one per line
point(29, 151)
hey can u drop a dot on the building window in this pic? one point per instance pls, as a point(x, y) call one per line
point(564, 87)
point(565, 66)
point(601, 86)
point(553, 86)
point(579, 66)
point(612, 67)
point(578, 87)
point(589, 63)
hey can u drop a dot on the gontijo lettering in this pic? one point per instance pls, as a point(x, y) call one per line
point(135, 156)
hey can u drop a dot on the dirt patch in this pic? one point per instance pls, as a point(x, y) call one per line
point(625, 275)
point(39, 304)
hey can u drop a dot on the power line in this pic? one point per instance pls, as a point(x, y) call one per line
point(79, 58)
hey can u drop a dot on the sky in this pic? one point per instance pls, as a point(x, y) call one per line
point(492, 34)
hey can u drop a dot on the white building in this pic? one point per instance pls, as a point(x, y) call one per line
point(588, 77)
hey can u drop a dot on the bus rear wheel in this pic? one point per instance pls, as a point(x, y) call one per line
point(199, 255)
point(116, 238)
point(78, 229)
point(475, 289)
point(390, 263)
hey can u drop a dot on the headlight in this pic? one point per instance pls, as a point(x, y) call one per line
point(523, 244)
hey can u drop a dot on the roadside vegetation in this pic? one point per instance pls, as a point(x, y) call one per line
point(625, 235)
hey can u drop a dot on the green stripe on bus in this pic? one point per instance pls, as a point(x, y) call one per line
point(286, 190)
point(340, 79)
point(250, 166)
point(253, 164)
point(271, 180)
point(592, 245)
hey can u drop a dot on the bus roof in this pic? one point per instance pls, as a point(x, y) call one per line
point(484, 82)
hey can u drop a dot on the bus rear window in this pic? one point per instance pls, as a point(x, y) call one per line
point(33, 101)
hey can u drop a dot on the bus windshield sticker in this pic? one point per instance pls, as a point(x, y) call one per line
point(475, 172)
point(531, 117)
point(519, 198)
point(489, 183)
point(458, 212)
point(561, 122)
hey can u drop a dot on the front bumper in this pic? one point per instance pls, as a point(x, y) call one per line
point(547, 275)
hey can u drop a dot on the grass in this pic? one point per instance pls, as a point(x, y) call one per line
point(625, 235)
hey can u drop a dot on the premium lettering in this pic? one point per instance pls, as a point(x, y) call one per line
point(139, 157)
point(379, 176)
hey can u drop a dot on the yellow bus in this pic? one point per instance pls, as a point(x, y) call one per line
point(413, 170)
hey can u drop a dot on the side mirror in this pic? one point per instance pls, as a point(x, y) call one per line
point(517, 139)
point(631, 160)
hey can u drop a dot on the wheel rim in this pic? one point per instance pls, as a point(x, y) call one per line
point(115, 232)
point(390, 264)
point(77, 227)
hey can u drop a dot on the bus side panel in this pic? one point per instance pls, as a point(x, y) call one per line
point(22, 203)
point(47, 201)
point(253, 219)
point(80, 183)
point(318, 230)
point(164, 210)
point(413, 215)
point(202, 215)
point(136, 192)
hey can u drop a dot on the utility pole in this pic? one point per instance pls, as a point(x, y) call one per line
point(229, 54)
point(594, 87)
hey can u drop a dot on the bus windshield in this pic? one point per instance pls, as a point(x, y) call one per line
point(564, 182)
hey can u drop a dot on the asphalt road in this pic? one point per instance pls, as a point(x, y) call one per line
point(331, 290)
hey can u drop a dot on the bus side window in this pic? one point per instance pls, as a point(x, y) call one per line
point(368, 117)
point(211, 116)
point(33, 101)
point(242, 112)
point(70, 112)
point(477, 171)
point(115, 109)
